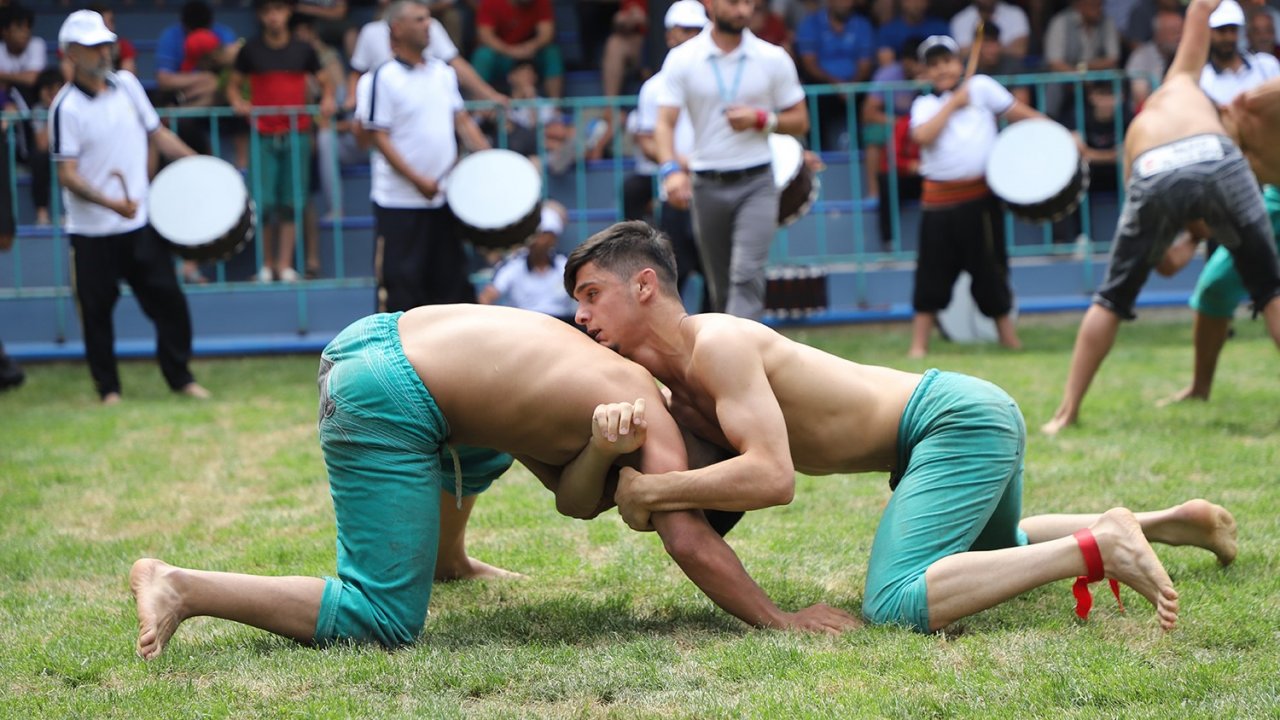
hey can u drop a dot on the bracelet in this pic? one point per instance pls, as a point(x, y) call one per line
point(770, 123)
point(762, 119)
point(668, 167)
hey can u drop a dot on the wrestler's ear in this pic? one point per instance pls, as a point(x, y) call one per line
point(646, 283)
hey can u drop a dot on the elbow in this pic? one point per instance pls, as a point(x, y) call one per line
point(682, 541)
point(578, 511)
point(780, 489)
point(802, 125)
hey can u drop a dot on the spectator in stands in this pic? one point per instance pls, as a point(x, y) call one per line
point(276, 66)
point(771, 28)
point(523, 123)
point(373, 47)
point(835, 46)
point(1079, 39)
point(22, 56)
point(1262, 31)
point(329, 20)
point(509, 31)
point(48, 83)
point(906, 156)
point(1012, 20)
point(876, 129)
point(193, 88)
point(1149, 61)
point(532, 278)
point(993, 61)
point(912, 23)
point(1141, 25)
point(1098, 141)
point(1229, 71)
point(624, 47)
point(793, 12)
point(449, 15)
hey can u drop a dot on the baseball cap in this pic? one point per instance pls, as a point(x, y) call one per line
point(935, 44)
point(84, 27)
point(1228, 13)
point(686, 14)
point(551, 221)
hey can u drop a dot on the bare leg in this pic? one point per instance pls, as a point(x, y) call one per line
point(620, 53)
point(963, 584)
point(554, 86)
point(1209, 335)
point(1194, 522)
point(167, 595)
point(1272, 315)
point(1008, 333)
point(452, 561)
point(284, 245)
point(1097, 334)
point(921, 327)
point(871, 169)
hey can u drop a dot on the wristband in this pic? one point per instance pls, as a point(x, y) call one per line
point(667, 168)
point(762, 119)
point(770, 123)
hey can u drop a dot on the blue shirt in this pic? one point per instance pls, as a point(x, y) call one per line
point(170, 47)
point(895, 33)
point(837, 54)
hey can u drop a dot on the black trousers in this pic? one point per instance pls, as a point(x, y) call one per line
point(419, 259)
point(141, 259)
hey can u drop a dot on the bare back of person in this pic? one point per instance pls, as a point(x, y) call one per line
point(1253, 122)
point(518, 381)
point(1178, 109)
point(841, 416)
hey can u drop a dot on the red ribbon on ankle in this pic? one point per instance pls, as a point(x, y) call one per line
point(1093, 566)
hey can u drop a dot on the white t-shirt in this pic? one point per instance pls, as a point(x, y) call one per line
point(703, 82)
point(645, 119)
point(1011, 20)
point(104, 133)
point(415, 106)
point(538, 290)
point(960, 150)
point(1224, 86)
point(373, 45)
point(35, 57)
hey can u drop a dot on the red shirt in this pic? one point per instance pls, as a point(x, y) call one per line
point(511, 21)
point(908, 152)
point(774, 30)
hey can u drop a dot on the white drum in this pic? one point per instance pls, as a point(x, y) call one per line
point(1036, 169)
point(200, 205)
point(797, 185)
point(496, 196)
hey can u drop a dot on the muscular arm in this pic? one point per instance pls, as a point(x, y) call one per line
point(1193, 49)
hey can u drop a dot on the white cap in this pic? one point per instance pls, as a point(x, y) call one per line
point(686, 14)
point(1228, 13)
point(84, 27)
point(935, 42)
point(551, 221)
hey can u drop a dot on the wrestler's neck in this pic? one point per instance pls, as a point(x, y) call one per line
point(669, 341)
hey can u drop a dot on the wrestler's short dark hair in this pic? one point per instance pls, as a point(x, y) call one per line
point(625, 249)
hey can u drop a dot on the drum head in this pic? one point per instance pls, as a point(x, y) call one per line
point(493, 189)
point(788, 157)
point(197, 200)
point(1032, 161)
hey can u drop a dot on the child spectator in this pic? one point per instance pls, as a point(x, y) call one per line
point(48, 83)
point(22, 56)
point(523, 121)
point(532, 278)
point(875, 133)
point(510, 31)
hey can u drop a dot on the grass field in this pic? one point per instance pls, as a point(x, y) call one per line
point(606, 625)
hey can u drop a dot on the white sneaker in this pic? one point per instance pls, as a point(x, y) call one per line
point(289, 275)
point(264, 275)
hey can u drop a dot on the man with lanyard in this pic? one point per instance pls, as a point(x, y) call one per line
point(684, 20)
point(100, 124)
point(736, 89)
point(410, 107)
point(1230, 72)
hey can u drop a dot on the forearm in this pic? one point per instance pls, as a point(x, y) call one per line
point(487, 37)
point(470, 80)
point(664, 138)
point(470, 133)
point(708, 561)
point(75, 183)
point(794, 120)
point(169, 144)
point(582, 482)
point(648, 146)
point(741, 482)
point(177, 82)
point(382, 143)
point(927, 132)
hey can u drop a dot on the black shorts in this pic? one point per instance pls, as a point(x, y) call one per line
point(969, 237)
point(1204, 177)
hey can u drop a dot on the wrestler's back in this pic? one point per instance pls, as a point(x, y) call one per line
point(1176, 110)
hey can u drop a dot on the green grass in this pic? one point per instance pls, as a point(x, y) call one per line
point(606, 625)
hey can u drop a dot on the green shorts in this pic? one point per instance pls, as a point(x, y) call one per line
point(875, 133)
point(384, 443)
point(958, 488)
point(1219, 289)
point(283, 182)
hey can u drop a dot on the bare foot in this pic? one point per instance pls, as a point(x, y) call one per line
point(1128, 557)
point(195, 390)
point(1059, 421)
point(917, 353)
point(473, 569)
point(1188, 393)
point(1199, 523)
point(111, 398)
point(159, 606)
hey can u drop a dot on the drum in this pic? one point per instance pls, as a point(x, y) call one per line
point(496, 196)
point(797, 185)
point(1036, 169)
point(794, 292)
point(200, 205)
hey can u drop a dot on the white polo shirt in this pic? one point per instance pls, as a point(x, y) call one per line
point(1011, 19)
point(960, 150)
point(645, 119)
point(373, 45)
point(415, 106)
point(35, 57)
point(703, 82)
point(104, 133)
point(1223, 86)
point(538, 290)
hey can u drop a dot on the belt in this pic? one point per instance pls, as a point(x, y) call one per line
point(1179, 153)
point(727, 176)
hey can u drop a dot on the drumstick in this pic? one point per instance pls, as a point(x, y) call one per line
point(123, 185)
point(975, 50)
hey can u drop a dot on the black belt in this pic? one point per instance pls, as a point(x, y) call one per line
point(727, 176)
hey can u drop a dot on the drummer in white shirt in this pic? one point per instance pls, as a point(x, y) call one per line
point(961, 227)
point(736, 90)
point(684, 20)
point(410, 109)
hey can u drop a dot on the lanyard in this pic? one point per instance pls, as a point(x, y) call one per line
point(727, 96)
